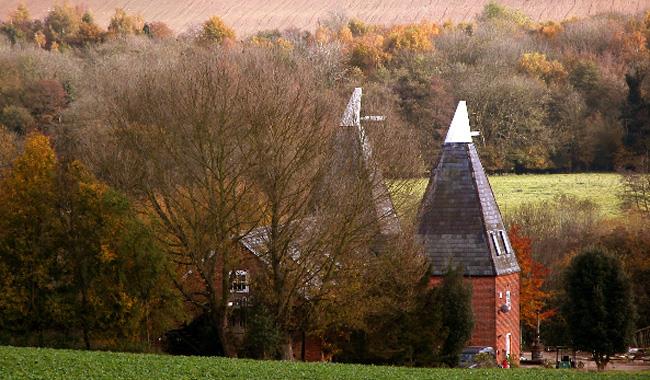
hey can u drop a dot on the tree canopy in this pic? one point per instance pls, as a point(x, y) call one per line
point(598, 306)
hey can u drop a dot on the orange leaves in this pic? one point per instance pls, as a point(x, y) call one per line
point(107, 255)
point(370, 47)
point(533, 275)
point(536, 64)
point(632, 46)
point(550, 29)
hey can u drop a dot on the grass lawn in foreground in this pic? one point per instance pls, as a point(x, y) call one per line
point(514, 190)
point(33, 363)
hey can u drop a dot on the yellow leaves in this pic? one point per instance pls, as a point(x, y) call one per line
point(39, 39)
point(368, 52)
point(214, 30)
point(35, 168)
point(279, 42)
point(106, 254)
point(536, 64)
point(414, 37)
point(20, 15)
point(123, 24)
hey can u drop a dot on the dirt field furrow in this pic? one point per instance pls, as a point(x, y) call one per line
point(250, 16)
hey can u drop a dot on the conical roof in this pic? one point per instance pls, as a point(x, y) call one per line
point(459, 222)
point(351, 123)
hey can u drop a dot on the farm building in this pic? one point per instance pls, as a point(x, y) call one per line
point(459, 223)
point(351, 143)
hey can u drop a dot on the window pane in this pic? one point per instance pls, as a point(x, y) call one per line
point(505, 241)
point(496, 244)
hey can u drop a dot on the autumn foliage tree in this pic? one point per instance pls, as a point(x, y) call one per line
point(538, 65)
point(534, 299)
point(123, 24)
point(74, 259)
point(215, 31)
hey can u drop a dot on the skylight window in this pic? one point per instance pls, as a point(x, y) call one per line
point(496, 243)
point(505, 241)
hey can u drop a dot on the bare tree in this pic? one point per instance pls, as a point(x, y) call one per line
point(635, 194)
point(227, 149)
point(176, 143)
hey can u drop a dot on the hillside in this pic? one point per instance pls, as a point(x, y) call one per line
point(30, 363)
point(250, 16)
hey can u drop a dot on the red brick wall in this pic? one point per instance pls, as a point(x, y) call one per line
point(313, 348)
point(508, 322)
point(491, 324)
point(483, 304)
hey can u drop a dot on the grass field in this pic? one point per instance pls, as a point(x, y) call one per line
point(511, 191)
point(31, 363)
point(248, 17)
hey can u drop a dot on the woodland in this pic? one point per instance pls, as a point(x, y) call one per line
point(131, 156)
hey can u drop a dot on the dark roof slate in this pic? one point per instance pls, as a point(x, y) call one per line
point(457, 215)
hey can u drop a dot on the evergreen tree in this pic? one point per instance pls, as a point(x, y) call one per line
point(636, 114)
point(598, 306)
point(455, 302)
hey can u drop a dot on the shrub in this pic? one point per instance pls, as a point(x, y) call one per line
point(215, 31)
point(537, 65)
point(123, 24)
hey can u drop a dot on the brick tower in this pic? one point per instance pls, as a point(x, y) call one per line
point(459, 223)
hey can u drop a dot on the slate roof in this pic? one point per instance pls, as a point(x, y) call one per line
point(459, 221)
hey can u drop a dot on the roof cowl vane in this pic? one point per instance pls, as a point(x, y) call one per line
point(459, 130)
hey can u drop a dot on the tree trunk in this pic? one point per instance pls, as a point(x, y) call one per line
point(286, 349)
point(229, 349)
point(85, 310)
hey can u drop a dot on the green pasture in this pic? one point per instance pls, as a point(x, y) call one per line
point(33, 363)
point(511, 191)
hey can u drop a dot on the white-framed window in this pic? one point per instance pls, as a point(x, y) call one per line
point(493, 237)
point(239, 281)
point(506, 242)
point(508, 302)
point(508, 343)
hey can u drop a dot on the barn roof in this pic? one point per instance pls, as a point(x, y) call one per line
point(459, 222)
point(352, 135)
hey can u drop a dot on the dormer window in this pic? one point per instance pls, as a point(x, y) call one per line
point(506, 242)
point(239, 281)
point(497, 248)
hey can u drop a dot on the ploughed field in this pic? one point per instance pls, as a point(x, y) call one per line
point(511, 191)
point(32, 363)
point(250, 16)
